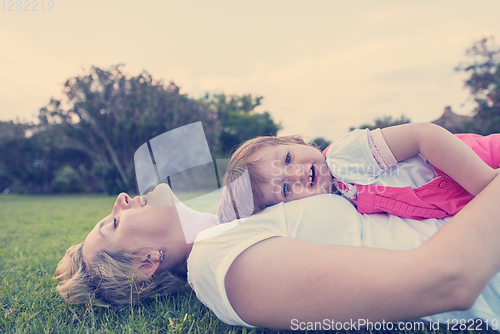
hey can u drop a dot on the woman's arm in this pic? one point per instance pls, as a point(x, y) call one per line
point(443, 150)
point(312, 282)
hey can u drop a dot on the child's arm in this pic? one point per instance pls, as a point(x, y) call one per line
point(443, 150)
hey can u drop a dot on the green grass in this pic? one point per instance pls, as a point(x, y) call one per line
point(34, 233)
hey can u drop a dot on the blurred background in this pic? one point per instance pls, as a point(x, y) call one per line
point(84, 84)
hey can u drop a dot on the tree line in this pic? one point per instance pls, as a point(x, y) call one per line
point(85, 142)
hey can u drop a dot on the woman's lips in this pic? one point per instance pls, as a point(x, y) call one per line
point(140, 199)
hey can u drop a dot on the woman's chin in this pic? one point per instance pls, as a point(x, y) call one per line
point(160, 196)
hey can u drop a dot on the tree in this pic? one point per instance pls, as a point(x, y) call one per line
point(108, 115)
point(27, 163)
point(384, 122)
point(321, 143)
point(32, 158)
point(484, 85)
point(239, 121)
point(12, 136)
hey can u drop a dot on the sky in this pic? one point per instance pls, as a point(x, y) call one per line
point(321, 66)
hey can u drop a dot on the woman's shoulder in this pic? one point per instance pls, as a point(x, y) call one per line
point(216, 248)
point(225, 241)
point(327, 219)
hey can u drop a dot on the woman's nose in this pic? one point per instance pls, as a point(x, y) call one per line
point(122, 201)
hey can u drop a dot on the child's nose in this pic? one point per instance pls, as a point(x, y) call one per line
point(298, 173)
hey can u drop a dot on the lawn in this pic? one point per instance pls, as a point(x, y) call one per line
point(35, 232)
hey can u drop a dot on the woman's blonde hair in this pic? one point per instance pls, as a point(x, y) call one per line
point(241, 195)
point(111, 279)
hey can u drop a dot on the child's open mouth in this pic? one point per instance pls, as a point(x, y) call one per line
point(312, 175)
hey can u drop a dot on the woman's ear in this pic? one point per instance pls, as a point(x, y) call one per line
point(148, 262)
point(148, 267)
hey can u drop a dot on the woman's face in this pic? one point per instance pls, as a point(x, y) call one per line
point(142, 229)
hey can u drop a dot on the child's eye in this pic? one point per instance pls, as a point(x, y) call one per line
point(114, 222)
point(288, 157)
point(286, 190)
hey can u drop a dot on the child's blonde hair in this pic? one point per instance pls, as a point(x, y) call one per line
point(241, 194)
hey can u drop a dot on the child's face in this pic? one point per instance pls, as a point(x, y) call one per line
point(293, 171)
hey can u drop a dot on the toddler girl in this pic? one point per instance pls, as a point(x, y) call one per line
point(416, 170)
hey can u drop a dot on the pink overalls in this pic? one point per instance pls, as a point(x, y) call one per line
point(441, 197)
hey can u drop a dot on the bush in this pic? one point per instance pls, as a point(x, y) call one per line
point(67, 180)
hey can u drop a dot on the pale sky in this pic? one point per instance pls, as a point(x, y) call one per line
point(322, 66)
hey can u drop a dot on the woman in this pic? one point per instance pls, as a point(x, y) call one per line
point(266, 280)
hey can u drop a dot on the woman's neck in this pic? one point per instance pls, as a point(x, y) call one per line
point(193, 222)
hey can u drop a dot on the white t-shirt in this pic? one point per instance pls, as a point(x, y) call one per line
point(363, 157)
point(328, 219)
